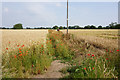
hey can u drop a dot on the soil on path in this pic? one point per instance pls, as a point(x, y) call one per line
point(54, 70)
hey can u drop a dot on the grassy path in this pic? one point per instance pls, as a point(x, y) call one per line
point(53, 71)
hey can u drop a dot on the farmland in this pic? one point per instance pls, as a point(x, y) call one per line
point(107, 38)
point(102, 44)
point(88, 53)
point(13, 40)
point(26, 37)
point(101, 38)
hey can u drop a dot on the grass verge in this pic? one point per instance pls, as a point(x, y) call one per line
point(25, 62)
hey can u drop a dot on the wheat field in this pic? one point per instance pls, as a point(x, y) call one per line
point(102, 38)
point(18, 47)
point(22, 37)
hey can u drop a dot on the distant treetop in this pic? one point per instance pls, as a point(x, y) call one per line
point(18, 26)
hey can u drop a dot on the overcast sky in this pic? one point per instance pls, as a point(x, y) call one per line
point(48, 14)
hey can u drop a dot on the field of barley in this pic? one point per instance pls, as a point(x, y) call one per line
point(100, 38)
point(12, 38)
point(36, 53)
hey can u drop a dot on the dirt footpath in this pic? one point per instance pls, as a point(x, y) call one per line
point(53, 70)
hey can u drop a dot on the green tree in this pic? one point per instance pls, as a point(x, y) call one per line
point(87, 27)
point(18, 26)
point(117, 26)
point(70, 27)
point(60, 27)
point(99, 27)
point(76, 27)
point(112, 25)
point(107, 27)
point(92, 27)
point(55, 27)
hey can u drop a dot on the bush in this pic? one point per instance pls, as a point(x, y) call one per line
point(17, 26)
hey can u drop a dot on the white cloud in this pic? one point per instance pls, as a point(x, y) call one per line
point(58, 5)
point(42, 12)
point(6, 9)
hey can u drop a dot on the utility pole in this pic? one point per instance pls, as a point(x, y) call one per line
point(67, 16)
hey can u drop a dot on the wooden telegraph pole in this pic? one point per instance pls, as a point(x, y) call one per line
point(67, 16)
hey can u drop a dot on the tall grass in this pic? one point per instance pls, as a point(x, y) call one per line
point(61, 50)
point(92, 65)
point(24, 62)
point(93, 68)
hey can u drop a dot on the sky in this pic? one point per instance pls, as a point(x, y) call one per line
point(48, 14)
point(119, 12)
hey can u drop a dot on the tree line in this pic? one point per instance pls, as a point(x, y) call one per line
point(110, 26)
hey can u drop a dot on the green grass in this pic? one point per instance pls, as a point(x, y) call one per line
point(61, 50)
point(105, 66)
point(25, 62)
